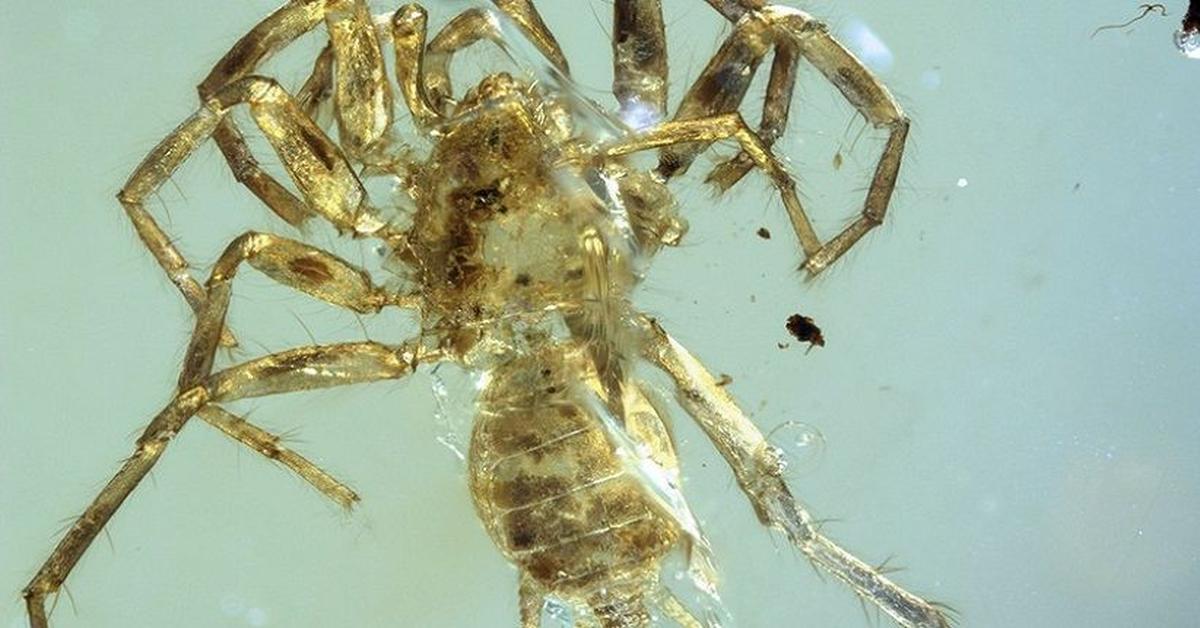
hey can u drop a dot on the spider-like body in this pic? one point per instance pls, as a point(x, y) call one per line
point(529, 227)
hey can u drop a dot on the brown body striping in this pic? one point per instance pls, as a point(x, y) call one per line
point(552, 490)
point(525, 228)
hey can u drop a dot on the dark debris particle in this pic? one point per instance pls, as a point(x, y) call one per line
point(764, 233)
point(803, 328)
point(724, 380)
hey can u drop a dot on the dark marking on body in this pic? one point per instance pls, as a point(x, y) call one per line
point(311, 268)
point(803, 328)
point(319, 145)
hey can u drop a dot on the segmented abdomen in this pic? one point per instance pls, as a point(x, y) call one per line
point(552, 491)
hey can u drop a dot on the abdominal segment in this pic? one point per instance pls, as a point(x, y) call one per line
point(554, 494)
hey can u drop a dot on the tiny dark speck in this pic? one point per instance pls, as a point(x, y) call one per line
point(804, 329)
point(764, 233)
point(522, 279)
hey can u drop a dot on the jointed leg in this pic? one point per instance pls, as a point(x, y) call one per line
point(69, 550)
point(305, 368)
point(758, 467)
point(464, 30)
point(268, 37)
point(728, 126)
point(288, 262)
point(409, 25)
point(362, 97)
point(274, 33)
point(469, 27)
point(863, 90)
point(640, 61)
point(722, 85)
point(268, 445)
point(776, 106)
point(530, 21)
point(314, 161)
point(293, 264)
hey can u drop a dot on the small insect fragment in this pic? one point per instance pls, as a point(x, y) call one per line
point(724, 380)
point(764, 233)
point(803, 328)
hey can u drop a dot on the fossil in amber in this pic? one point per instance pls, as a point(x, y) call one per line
point(527, 226)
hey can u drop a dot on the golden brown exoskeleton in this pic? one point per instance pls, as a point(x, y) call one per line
point(528, 228)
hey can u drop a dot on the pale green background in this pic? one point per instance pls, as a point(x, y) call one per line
point(1009, 393)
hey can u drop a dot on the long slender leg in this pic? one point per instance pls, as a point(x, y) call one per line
point(474, 25)
point(298, 266)
point(776, 106)
point(720, 87)
point(362, 97)
point(272, 34)
point(269, 446)
point(305, 368)
point(705, 131)
point(293, 264)
point(269, 36)
point(759, 468)
point(290, 263)
point(530, 21)
point(409, 25)
point(723, 83)
point(462, 31)
point(640, 61)
point(867, 94)
point(314, 162)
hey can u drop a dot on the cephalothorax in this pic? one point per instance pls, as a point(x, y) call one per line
point(527, 228)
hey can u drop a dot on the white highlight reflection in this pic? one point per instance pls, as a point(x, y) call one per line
point(867, 46)
point(1188, 42)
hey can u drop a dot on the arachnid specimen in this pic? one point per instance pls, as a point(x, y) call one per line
point(527, 226)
